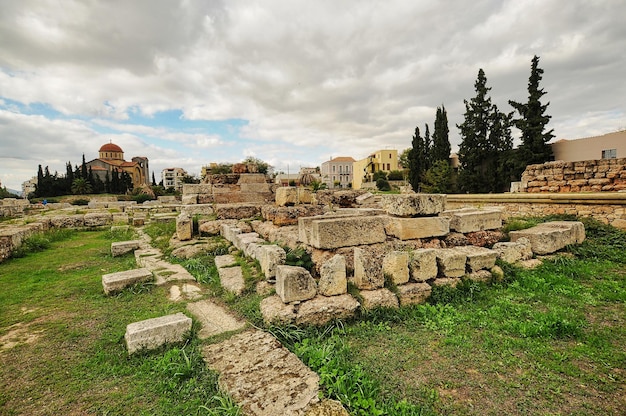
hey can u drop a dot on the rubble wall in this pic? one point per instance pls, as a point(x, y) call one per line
point(603, 175)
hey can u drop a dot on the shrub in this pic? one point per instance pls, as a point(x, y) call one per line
point(395, 175)
point(383, 185)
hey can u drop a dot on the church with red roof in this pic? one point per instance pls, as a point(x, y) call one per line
point(111, 158)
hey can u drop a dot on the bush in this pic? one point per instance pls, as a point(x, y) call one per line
point(383, 185)
point(80, 202)
point(141, 198)
point(395, 175)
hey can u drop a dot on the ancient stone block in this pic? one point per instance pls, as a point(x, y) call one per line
point(321, 309)
point(480, 276)
point(283, 216)
point(413, 293)
point(67, 221)
point(153, 333)
point(368, 271)
point(552, 236)
point(469, 220)
point(270, 256)
point(275, 311)
point(237, 211)
point(184, 227)
point(414, 228)
point(514, 251)
point(346, 232)
point(292, 195)
point(451, 262)
point(446, 281)
point(115, 282)
point(333, 280)
point(190, 199)
point(242, 240)
point(478, 258)
point(413, 205)
point(197, 188)
point(380, 298)
point(213, 318)
point(98, 219)
point(294, 283)
point(396, 266)
point(423, 264)
point(229, 231)
point(231, 279)
point(119, 248)
point(209, 228)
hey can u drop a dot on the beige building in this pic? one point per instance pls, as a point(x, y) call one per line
point(173, 178)
point(111, 158)
point(338, 172)
point(381, 160)
point(607, 146)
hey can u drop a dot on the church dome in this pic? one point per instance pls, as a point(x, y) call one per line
point(110, 147)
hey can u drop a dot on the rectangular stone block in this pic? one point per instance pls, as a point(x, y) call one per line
point(333, 280)
point(270, 256)
point(184, 227)
point(294, 283)
point(414, 228)
point(199, 188)
point(413, 293)
point(115, 282)
point(451, 262)
point(292, 195)
point(551, 236)
point(119, 248)
point(396, 266)
point(346, 232)
point(469, 220)
point(413, 205)
point(368, 271)
point(478, 258)
point(153, 333)
point(423, 264)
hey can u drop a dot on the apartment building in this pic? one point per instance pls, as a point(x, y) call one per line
point(173, 178)
point(337, 172)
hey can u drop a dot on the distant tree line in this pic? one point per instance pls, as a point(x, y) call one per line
point(80, 180)
point(488, 162)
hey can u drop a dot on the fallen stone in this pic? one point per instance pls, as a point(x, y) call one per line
point(413, 293)
point(274, 310)
point(294, 283)
point(322, 309)
point(262, 376)
point(396, 266)
point(346, 232)
point(333, 280)
point(270, 256)
point(368, 271)
point(213, 318)
point(423, 264)
point(231, 279)
point(380, 298)
point(184, 227)
point(552, 236)
point(414, 228)
point(512, 252)
point(153, 333)
point(467, 220)
point(478, 258)
point(115, 282)
point(119, 248)
point(226, 260)
point(209, 228)
point(413, 205)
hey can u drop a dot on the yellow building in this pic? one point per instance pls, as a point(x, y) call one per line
point(379, 161)
point(111, 158)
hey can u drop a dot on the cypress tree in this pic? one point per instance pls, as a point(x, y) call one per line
point(441, 142)
point(417, 160)
point(83, 171)
point(532, 123)
point(427, 148)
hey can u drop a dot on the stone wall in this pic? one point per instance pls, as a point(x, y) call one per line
point(609, 208)
point(604, 175)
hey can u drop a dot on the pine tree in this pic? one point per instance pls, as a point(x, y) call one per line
point(532, 123)
point(417, 160)
point(441, 142)
point(485, 138)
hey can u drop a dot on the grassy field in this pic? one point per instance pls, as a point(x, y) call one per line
point(546, 341)
point(62, 349)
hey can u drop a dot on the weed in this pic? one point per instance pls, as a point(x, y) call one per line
point(299, 257)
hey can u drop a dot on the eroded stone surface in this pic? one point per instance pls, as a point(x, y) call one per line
point(115, 282)
point(231, 279)
point(423, 264)
point(262, 376)
point(368, 271)
point(413, 205)
point(333, 280)
point(514, 251)
point(413, 293)
point(414, 228)
point(294, 283)
point(322, 309)
point(274, 310)
point(213, 318)
point(152, 333)
point(380, 298)
point(396, 266)
point(551, 236)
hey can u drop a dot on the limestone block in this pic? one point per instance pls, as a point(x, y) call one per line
point(446, 281)
point(198, 209)
point(270, 256)
point(275, 311)
point(396, 265)
point(251, 250)
point(413, 205)
point(322, 309)
point(115, 282)
point(213, 318)
point(413, 293)
point(368, 271)
point(184, 227)
point(231, 279)
point(292, 195)
point(237, 211)
point(283, 216)
point(366, 198)
point(468, 220)
point(255, 187)
point(552, 236)
point(226, 260)
point(119, 248)
point(252, 178)
point(380, 298)
point(242, 240)
point(346, 232)
point(514, 251)
point(294, 283)
point(153, 333)
point(480, 276)
point(197, 188)
point(209, 228)
point(423, 264)
point(333, 280)
point(451, 262)
point(190, 199)
point(414, 228)
point(67, 221)
point(205, 199)
point(229, 232)
point(138, 221)
point(478, 258)
point(121, 218)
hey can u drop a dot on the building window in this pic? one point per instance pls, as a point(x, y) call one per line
point(333, 168)
point(340, 169)
point(609, 154)
point(388, 166)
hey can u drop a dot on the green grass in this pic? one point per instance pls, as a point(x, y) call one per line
point(70, 356)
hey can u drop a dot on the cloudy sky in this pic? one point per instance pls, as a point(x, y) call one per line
point(294, 83)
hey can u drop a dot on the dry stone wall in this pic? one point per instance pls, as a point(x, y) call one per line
point(604, 175)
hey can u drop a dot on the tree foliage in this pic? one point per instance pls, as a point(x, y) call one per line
point(441, 143)
point(417, 160)
point(438, 179)
point(485, 140)
point(532, 122)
